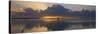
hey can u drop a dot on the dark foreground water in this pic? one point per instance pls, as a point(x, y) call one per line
point(24, 25)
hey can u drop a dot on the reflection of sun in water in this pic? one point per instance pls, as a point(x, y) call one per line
point(50, 18)
point(39, 29)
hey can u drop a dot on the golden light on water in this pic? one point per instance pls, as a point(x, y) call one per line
point(50, 18)
point(39, 29)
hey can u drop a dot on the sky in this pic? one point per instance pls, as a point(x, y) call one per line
point(20, 5)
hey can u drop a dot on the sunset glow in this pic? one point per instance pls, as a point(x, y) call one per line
point(39, 6)
point(39, 29)
point(50, 18)
point(36, 6)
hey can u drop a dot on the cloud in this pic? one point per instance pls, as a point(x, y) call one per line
point(43, 6)
point(15, 8)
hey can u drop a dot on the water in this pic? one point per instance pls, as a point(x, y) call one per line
point(18, 25)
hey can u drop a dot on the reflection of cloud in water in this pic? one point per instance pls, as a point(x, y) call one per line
point(58, 25)
point(37, 29)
